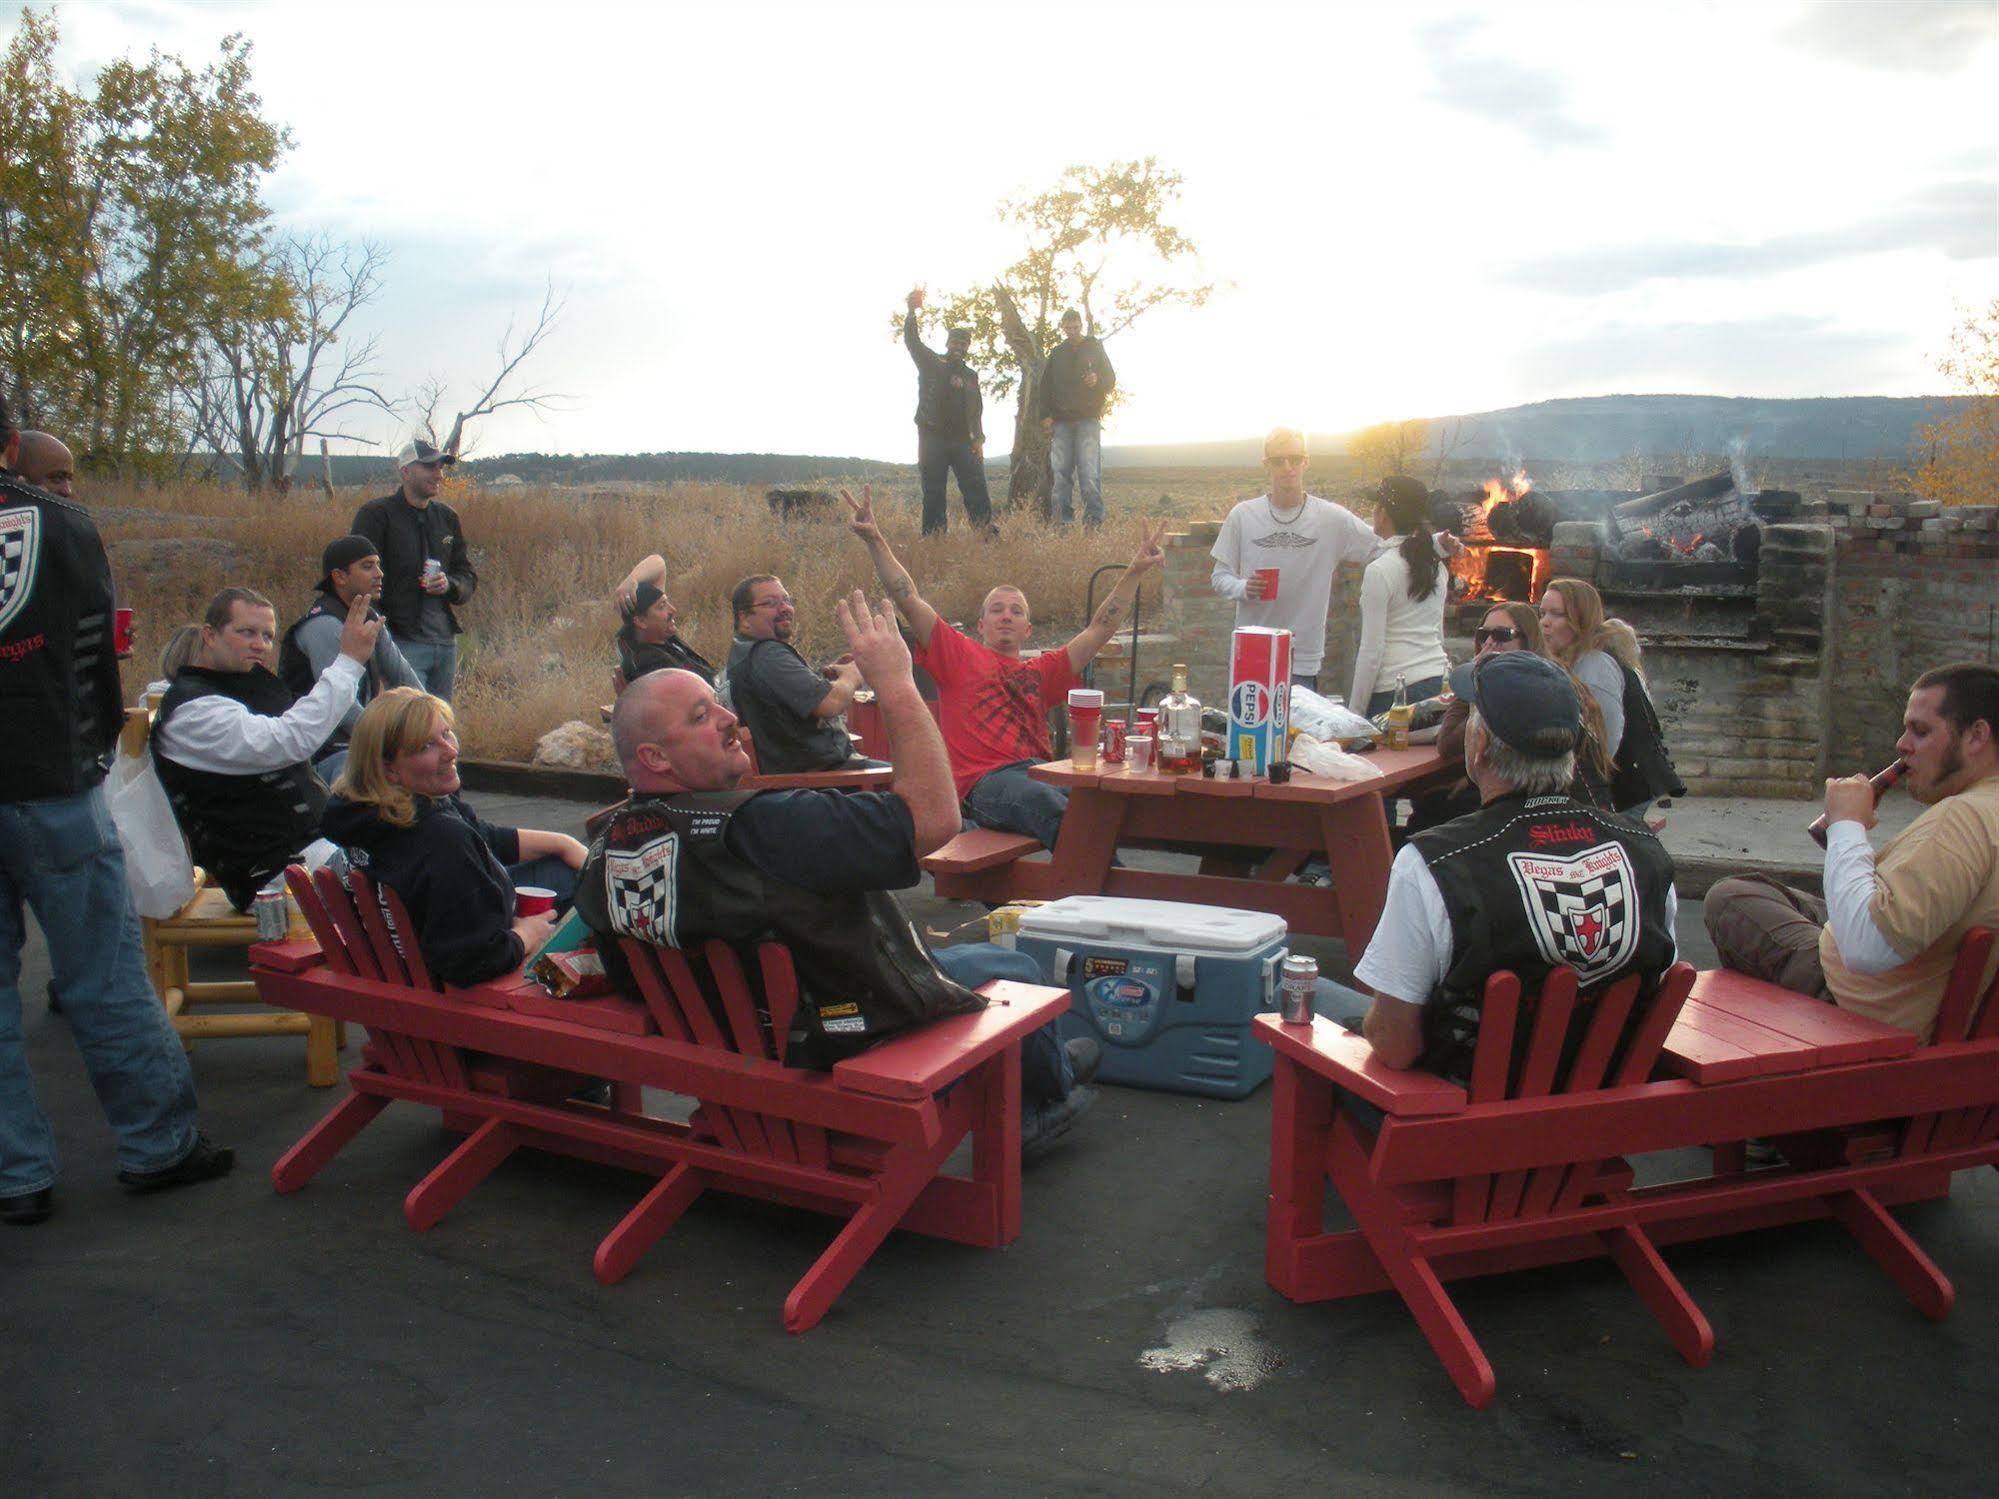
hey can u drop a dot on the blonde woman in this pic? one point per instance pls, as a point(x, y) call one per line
point(1602, 654)
point(397, 812)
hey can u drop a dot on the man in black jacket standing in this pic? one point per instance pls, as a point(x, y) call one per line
point(1074, 386)
point(425, 568)
point(950, 424)
point(60, 855)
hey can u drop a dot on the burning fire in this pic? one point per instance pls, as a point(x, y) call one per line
point(1684, 548)
point(1500, 491)
point(1475, 570)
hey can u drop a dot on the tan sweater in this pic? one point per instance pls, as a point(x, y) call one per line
point(1935, 880)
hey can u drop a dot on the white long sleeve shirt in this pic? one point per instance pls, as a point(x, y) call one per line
point(1850, 885)
point(219, 734)
point(1399, 635)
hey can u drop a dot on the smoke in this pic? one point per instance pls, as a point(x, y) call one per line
point(1738, 463)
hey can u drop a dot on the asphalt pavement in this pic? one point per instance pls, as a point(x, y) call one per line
point(223, 1340)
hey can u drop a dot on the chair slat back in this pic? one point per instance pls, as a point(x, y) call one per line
point(305, 891)
point(1964, 1012)
point(395, 952)
point(340, 908)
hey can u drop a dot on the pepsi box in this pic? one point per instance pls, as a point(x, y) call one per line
point(1167, 988)
point(1259, 696)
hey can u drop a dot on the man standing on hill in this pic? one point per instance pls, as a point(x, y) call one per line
point(950, 425)
point(993, 704)
point(425, 569)
point(60, 856)
point(1070, 398)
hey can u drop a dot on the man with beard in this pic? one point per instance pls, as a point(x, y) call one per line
point(1884, 937)
point(795, 714)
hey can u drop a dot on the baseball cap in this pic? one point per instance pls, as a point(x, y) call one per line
point(1527, 701)
point(418, 450)
point(343, 554)
point(643, 598)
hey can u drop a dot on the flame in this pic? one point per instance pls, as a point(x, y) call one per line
point(1521, 483)
point(1499, 491)
point(1495, 493)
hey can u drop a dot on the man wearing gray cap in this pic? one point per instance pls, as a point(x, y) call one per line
point(1532, 880)
point(425, 569)
point(349, 568)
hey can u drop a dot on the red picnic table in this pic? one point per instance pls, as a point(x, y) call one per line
point(1253, 835)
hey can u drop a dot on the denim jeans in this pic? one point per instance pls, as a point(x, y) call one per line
point(329, 766)
point(937, 457)
point(1045, 1073)
point(435, 662)
point(1076, 455)
point(1012, 801)
point(60, 855)
point(546, 873)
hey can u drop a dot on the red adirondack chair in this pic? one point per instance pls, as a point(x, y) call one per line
point(867, 1141)
point(1415, 1235)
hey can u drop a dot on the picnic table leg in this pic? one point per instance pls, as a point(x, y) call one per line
point(1663, 1294)
point(647, 1223)
point(476, 1158)
point(1084, 849)
point(325, 1140)
point(1357, 847)
point(1888, 1244)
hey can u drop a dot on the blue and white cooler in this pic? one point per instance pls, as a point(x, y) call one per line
point(1167, 988)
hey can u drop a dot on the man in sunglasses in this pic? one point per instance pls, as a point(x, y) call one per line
point(795, 714)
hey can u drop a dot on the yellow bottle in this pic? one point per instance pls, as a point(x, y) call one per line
point(1399, 714)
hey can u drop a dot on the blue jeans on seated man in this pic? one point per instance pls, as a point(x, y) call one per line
point(1045, 1073)
point(435, 662)
point(546, 873)
point(1012, 801)
point(61, 856)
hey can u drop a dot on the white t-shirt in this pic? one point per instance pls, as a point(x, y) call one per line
point(1410, 951)
point(1304, 549)
point(1398, 634)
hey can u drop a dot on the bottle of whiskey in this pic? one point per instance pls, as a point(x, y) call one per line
point(1180, 728)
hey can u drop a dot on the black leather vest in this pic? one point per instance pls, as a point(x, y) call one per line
point(661, 871)
point(242, 829)
point(1532, 882)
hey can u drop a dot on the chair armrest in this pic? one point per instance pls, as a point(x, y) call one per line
point(919, 1062)
point(292, 956)
point(1347, 1061)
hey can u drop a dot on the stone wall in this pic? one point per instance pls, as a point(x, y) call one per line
point(1914, 585)
point(1761, 696)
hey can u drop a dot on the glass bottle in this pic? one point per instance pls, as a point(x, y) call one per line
point(1399, 714)
point(1180, 728)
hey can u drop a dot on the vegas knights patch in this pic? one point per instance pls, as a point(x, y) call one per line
point(639, 890)
point(20, 555)
point(1583, 909)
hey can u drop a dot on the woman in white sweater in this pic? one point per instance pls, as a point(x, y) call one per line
point(1402, 599)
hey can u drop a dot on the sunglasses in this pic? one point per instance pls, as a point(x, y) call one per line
point(782, 601)
point(1504, 634)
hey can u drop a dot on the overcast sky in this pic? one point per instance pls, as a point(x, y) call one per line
point(1442, 208)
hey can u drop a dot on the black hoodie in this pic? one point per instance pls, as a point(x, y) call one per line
point(448, 868)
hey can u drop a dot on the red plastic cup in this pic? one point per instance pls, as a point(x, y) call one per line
point(1145, 720)
point(121, 632)
point(532, 900)
point(1269, 577)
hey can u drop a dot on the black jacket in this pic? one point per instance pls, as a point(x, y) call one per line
point(1644, 770)
point(1062, 393)
point(948, 402)
point(405, 536)
point(636, 657)
point(448, 868)
point(60, 706)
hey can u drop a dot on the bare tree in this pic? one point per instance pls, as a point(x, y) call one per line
point(514, 351)
point(283, 371)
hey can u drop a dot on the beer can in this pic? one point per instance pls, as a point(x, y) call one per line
point(1259, 696)
point(272, 915)
point(1114, 741)
point(432, 569)
point(1296, 987)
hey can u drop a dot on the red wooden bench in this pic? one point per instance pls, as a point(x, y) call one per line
point(867, 1141)
point(1505, 1176)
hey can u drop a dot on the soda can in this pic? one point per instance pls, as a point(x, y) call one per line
point(1114, 741)
point(432, 569)
point(1296, 988)
point(1259, 697)
point(272, 915)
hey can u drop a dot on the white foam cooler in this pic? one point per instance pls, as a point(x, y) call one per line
point(1167, 988)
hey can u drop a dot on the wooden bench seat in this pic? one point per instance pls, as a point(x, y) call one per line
point(866, 1142)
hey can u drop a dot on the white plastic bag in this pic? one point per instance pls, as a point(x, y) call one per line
point(1330, 761)
point(1326, 720)
point(157, 866)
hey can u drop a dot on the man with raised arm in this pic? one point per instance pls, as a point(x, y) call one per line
point(691, 857)
point(993, 703)
point(950, 424)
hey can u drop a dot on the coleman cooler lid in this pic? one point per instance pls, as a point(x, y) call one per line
point(1170, 926)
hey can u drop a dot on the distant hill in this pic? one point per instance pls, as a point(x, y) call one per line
point(1602, 429)
point(644, 468)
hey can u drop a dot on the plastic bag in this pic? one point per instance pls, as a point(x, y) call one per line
point(1325, 719)
point(1330, 761)
point(157, 866)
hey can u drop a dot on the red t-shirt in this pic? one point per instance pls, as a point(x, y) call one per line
point(993, 709)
